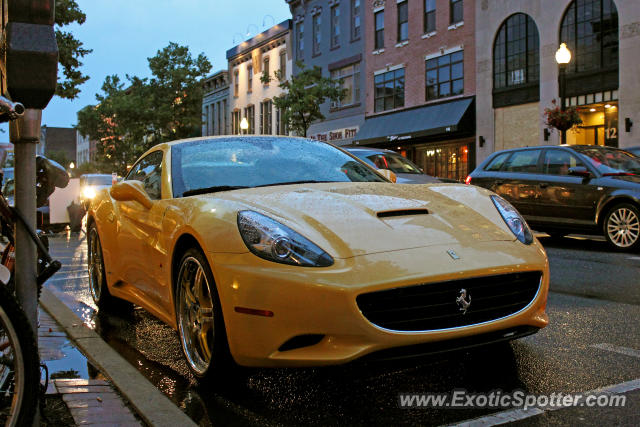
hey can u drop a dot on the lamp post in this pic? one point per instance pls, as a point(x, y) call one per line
point(244, 125)
point(563, 57)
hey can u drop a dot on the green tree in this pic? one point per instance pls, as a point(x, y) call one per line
point(176, 93)
point(70, 49)
point(303, 95)
point(119, 122)
point(129, 119)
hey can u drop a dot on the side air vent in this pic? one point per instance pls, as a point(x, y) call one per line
point(403, 212)
point(301, 341)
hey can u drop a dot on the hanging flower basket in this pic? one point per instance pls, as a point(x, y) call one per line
point(561, 120)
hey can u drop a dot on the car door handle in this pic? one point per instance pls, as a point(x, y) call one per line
point(543, 185)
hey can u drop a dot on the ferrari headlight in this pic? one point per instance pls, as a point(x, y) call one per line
point(89, 193)
point(513, 219)
point(273, 241)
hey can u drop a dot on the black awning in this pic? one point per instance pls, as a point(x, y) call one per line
point(429, 120)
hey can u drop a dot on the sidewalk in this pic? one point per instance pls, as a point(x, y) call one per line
point(90, 398)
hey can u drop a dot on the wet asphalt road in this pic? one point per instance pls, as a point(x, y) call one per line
point(594, 299)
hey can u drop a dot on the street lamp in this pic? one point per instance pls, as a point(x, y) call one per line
point(244, 125)
point(563, 57)
point(72, 165)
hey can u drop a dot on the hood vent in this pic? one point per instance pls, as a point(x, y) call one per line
point(403, 212)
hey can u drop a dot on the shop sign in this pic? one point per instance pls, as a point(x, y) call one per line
point(336, 135)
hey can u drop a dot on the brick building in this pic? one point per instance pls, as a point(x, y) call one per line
point(518, 76)
point(420, 82)
point(59, 143)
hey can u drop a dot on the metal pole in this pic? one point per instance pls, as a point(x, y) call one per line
point(24, 134)
point(563, 107)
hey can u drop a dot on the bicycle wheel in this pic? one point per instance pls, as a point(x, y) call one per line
point(19, 364)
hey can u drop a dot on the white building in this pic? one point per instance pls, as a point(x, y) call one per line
point(83, 149)
point(268, 52)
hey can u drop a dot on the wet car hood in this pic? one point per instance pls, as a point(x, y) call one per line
point(416, 178)
point(348, 219)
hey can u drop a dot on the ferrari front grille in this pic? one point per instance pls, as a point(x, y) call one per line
point(451, 304)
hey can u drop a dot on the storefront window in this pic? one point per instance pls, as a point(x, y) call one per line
point(599, 125)
point(445, 161)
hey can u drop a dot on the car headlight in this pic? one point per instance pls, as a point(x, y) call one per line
point(89, 193)
point(513, 219)
point(273, 241)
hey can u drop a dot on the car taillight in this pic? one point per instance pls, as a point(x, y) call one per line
point(468, 180)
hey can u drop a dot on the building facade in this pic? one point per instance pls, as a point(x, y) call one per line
point(59, 143)
point(420, 82)
point(518, 76)
point(215, 104)
point(330, 34)
point(249, 97)
point(83, 149)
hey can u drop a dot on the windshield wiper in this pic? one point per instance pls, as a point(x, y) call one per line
point(213, 189)
point(309, 181)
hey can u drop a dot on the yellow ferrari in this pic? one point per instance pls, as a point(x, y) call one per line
point(277, 251)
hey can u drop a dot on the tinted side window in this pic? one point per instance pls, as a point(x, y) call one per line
point(523, 161)
point(497, 162)
point(149, 172)
point(558, 162)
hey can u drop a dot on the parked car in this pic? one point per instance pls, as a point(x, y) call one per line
point(90, 184)
point(634, 150)
point(406, 171)
point(279, 251)
point(570, 188)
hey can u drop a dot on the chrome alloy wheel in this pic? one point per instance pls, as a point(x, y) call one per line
point(96, 266)
point(195, 315)
point(623, 227)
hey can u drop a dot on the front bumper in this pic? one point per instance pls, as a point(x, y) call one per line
point(322, 301)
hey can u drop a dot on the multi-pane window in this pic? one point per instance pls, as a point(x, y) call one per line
point(516, 58)
point(317, 35)
point(236, 83)
point(403, 21)
point(250, 114)
point(389, 90)
point(379, 32)
point(224, 117)
point(235, 122)
point(283, 65)
point(456, 11)
point(590, 29)
point(335, 26)
point(249, 78)
point(429, 16)
point(355, 19)
point(281, 126)
point(265, 118)
point(300, 41)
point(445, 75)
point(265, 67)
point(350, 80)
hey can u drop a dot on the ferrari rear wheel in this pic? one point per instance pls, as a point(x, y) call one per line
point(97, 278)
point(199, 318)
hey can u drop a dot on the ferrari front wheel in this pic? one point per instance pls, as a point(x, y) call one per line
point(199, 317)
point(97, 278)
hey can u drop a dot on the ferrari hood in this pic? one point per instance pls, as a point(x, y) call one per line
point(347, 219)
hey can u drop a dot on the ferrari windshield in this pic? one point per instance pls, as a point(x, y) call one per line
point(242, 162)
point(610, 161)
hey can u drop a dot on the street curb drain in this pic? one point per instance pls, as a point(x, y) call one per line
point(150, 404)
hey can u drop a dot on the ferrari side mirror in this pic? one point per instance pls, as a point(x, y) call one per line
point(131, 190)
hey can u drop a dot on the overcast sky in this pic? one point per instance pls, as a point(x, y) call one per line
point(124, 33)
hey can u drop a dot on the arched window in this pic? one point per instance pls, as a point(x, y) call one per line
point(516, 58)
point(590, 30)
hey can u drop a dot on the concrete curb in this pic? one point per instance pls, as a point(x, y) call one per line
point(149, 402)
